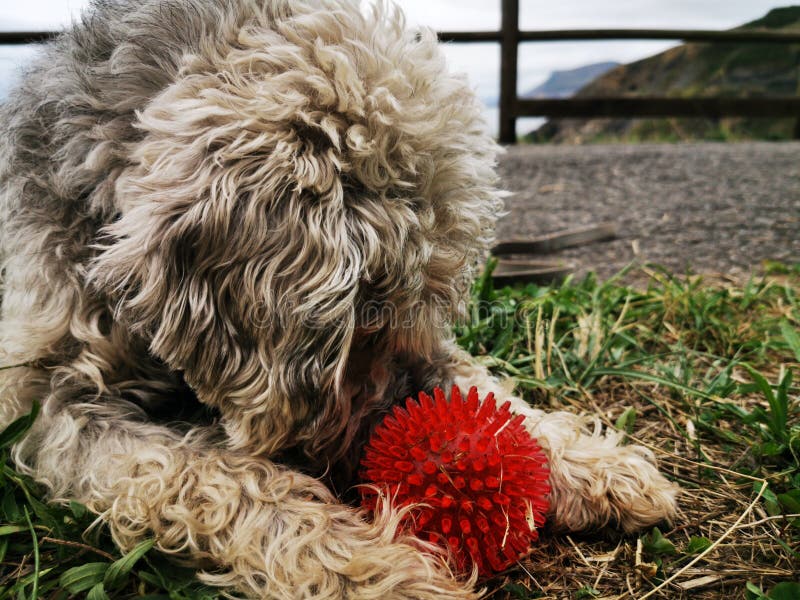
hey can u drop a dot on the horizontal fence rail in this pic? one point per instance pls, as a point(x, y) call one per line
point(759, 36)
point(643, 106)
point(512, 107)
point(24, 37)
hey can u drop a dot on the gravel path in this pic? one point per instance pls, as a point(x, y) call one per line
point(713, 208)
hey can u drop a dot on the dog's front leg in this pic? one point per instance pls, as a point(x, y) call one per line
point(258, 528)
point(594, 479)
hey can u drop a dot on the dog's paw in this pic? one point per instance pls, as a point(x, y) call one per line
point(596, 481)
point(625, 488)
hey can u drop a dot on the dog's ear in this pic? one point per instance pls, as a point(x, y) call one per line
point(258, 316)
point(234, 256)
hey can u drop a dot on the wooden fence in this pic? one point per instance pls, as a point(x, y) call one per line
point(512, 107)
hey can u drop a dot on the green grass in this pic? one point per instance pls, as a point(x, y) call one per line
point(703, 372)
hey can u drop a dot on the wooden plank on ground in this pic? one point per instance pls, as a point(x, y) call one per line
point(559, 240)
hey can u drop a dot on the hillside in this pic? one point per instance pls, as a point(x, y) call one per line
point(563, 84)
point(693, 70)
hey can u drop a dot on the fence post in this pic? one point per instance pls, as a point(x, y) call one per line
point(796, 132)
point(509, 46)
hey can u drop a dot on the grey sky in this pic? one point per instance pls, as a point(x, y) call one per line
point(484, 14)
point(481, 61)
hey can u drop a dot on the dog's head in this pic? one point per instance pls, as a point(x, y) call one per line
point(310, 194)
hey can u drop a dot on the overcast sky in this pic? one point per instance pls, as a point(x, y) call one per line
point(485, 14)
point(481, 61)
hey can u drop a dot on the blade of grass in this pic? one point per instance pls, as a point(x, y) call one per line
point(630, 374)
point(778, 404)
point(792, 337)
point(35, 590)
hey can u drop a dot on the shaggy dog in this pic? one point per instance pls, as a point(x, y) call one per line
point(234, 232)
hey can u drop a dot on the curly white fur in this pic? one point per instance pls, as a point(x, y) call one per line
point(234, 232)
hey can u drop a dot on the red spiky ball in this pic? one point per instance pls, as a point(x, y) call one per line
point(479, 477)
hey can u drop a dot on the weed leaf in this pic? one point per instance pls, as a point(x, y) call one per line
point(786, 590)
point(9, 529)
point(655, 543)
point(697, 545)
point(118, 572)
point(792, 337)
point(98, 592)
point(85, 577)
point(626, 420)
point(18, 428)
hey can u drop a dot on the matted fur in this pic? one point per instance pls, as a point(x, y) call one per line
point(271, 209)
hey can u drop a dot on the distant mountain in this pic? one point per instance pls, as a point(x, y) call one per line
point(563, 84)
point(689, 70)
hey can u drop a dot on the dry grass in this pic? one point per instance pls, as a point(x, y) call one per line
point(719, 506)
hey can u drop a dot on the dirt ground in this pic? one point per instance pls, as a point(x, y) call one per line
point(708, 208)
